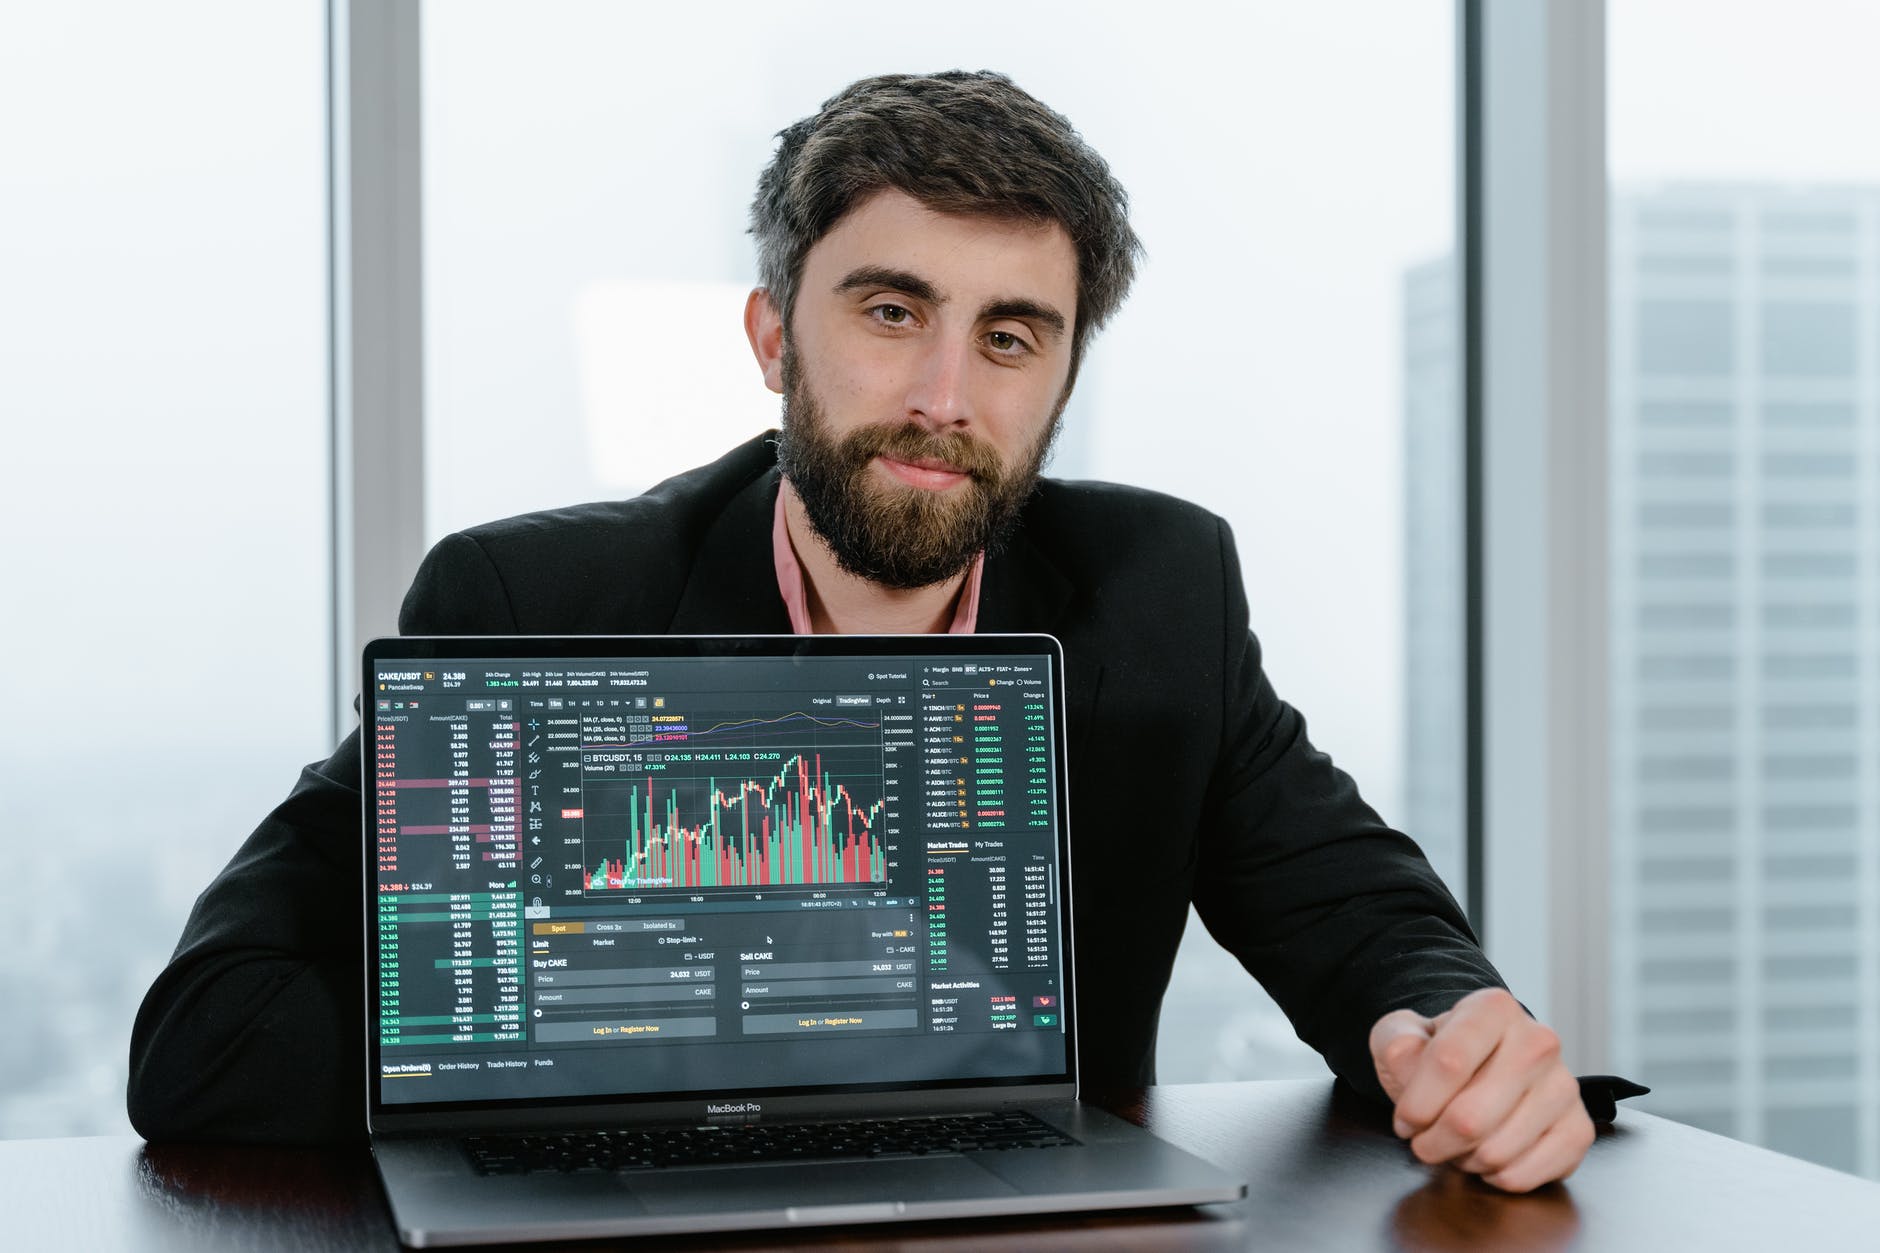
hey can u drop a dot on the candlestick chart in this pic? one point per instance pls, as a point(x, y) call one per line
point(789, 800)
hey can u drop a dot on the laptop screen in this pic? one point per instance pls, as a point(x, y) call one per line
point(647, 868)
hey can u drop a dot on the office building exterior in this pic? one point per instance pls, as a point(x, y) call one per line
point(1746, 661)
point(1745, 655)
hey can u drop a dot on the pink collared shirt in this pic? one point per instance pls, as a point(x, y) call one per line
point(796, 596)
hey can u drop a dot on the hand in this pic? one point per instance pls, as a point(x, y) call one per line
point(1483, 1086)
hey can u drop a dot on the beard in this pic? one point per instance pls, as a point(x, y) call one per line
point(889, 533)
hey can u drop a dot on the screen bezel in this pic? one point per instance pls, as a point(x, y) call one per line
point(627, 1107)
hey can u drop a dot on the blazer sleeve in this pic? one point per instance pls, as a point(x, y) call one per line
point(255, 1031)
point(1340, 918)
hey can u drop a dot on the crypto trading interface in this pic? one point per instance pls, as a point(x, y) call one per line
point(692, 874)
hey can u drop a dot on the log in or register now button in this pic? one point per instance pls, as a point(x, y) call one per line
point(842, 1020)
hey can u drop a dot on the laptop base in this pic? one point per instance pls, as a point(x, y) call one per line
point(438, 1200)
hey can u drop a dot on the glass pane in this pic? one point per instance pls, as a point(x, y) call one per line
point(162, 377)
point(588, 169)
point(1746, 569)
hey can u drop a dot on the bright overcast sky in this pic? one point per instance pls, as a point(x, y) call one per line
point(1744, 90)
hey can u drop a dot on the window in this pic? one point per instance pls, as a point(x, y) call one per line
point(1767, 163)
point(1288, 357)
point(163, 375)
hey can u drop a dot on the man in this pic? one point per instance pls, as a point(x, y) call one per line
point(935, 252)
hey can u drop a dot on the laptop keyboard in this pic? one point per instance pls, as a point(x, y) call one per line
point(654, 1147)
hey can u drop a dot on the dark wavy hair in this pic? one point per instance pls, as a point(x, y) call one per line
point(958, 142)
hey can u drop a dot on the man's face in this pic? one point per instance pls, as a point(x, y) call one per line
point(923, 374)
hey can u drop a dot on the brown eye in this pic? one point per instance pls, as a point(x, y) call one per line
point(894, 315)
point(1005, 341)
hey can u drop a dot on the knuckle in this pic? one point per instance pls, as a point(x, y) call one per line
point(1516, 1179)
point(1493, 1159)
point(1448, 1059)
point(1465, 1120)
point(1500, 999)
point(1542, 1045)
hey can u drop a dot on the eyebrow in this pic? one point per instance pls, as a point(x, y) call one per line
point(1027, 311)
point(1017, 307)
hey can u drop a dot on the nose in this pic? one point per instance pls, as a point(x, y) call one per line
point(939, 395)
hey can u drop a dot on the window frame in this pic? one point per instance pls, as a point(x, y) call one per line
point(376, 324)
point(1536, 347)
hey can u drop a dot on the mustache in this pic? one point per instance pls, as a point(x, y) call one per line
point(904, 441)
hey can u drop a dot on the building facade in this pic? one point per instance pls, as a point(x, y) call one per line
point(1745, 651)
point(1745, 559)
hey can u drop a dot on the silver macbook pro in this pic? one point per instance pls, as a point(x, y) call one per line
point(688, 934)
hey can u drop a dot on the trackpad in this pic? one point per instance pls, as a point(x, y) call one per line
point(907, 1180)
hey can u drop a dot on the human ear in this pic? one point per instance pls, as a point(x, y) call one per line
point(763, 326)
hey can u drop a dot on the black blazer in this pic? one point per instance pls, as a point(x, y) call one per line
point(255, 1030)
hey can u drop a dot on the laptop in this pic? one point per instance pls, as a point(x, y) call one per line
point(705, 934)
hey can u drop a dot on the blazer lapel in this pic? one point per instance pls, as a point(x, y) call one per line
point(732, 589)
point(1023, 590)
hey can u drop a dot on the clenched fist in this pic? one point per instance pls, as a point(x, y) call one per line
point(1483, 1086)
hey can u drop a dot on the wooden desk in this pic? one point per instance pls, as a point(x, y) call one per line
point(1324, 1170)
